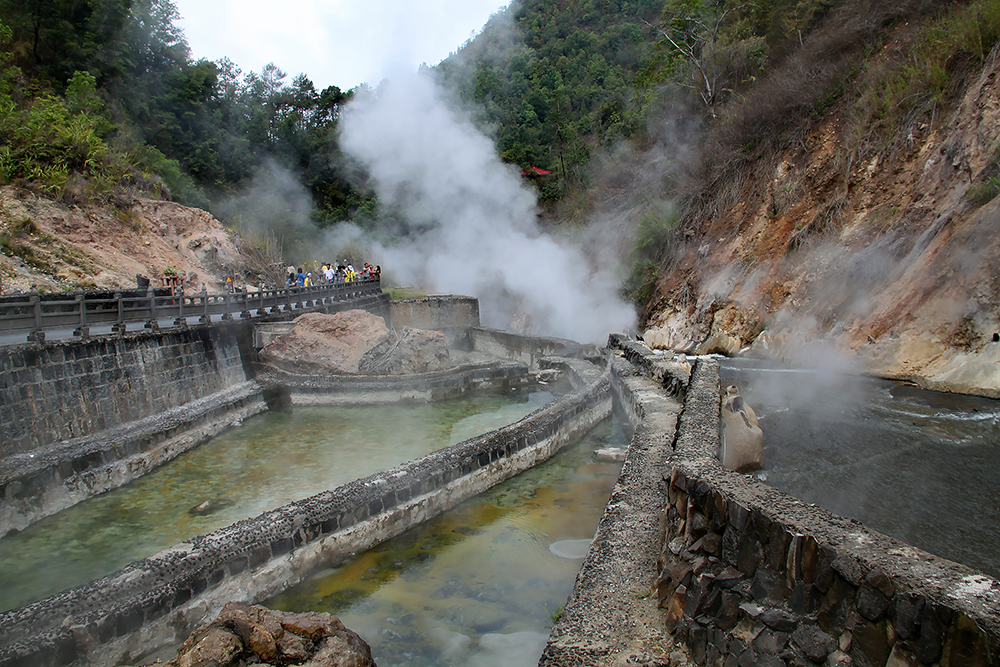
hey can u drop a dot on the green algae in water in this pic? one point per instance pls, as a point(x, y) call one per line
point(476, 585)
point(270, 460)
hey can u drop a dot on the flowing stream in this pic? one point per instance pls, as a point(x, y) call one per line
point(270, 460)
point(920, 466)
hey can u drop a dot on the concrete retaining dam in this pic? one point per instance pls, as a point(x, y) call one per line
point(691, 563)
point(158, 600)
point(81, 417)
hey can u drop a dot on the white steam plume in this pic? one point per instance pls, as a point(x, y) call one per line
point(472, 221)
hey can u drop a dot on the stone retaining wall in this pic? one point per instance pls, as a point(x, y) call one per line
point(748, 575)
point(33, 486)
point(610, 617)
point(528, 350)
point(160, 599)
point(447, 313)
point(54, 392)
point(78, 418)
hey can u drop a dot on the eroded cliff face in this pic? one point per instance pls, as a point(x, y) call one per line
point(887, 267)
point(55, 246)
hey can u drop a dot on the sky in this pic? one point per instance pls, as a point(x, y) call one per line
point(334, 42)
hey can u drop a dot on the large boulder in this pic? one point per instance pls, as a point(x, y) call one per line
point(742, 439)
point(719, 343)
point(249, 634)
point(411, 351)
point(355, 342)
point(660, 338)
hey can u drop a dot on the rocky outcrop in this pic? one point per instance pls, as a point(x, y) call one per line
point(665, 339)
point(719, 343)
point(883, 264)
point(245, 634)
point(355, 342)
point(103, 247)
point(412, 351)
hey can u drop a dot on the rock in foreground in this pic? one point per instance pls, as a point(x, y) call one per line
point(245, 634)
point(356, 342)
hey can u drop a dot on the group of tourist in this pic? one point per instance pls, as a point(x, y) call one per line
point(327, 273)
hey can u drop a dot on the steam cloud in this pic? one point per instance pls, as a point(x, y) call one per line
point(471, 221)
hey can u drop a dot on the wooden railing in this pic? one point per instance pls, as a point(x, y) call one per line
point(33, 314)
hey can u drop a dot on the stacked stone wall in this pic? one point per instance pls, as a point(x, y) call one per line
point(751, 576)
point(610, 617)
point(81, 417)
point(54, 392)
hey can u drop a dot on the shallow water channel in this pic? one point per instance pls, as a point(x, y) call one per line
point(920, 466)
point(270, 460)
point(480, 585)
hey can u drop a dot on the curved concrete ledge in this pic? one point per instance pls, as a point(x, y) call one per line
point(160, 599)
point(610, 614)
point(380, 389)
point(749, 575)
point(528, 350)
point(36, 485)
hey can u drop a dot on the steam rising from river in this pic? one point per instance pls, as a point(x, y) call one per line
point(470, 222)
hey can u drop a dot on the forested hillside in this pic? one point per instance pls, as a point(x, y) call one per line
point(553, 80)
point(101, 98)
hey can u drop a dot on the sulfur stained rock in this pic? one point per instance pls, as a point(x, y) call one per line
point(245, 634)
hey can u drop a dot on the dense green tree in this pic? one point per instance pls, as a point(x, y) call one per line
point(562, 85)
point(204, 128)
point(52, 39)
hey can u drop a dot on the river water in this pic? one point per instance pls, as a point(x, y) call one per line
point(920, 466)
point(270, 460)
point(479, 586)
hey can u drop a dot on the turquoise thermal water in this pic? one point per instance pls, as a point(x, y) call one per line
point(270, 460)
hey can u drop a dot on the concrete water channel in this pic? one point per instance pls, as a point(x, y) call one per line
point(689, 561)
point(270, 460)
point(481, 584)
point(145, 604)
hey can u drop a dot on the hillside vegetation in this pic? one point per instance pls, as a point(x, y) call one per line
point(553, 80)
point(101, 98)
